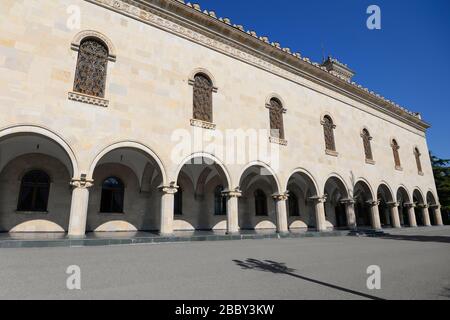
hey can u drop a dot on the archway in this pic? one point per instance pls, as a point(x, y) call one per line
point(199, 202)
point(418, 210)
point(301, 208)
point(335, 210)
point(363, 196)
point(386, 200)
point(432, 203)
point(257, 209)
point(36, 167)
point(125, 196)
point(403, 199)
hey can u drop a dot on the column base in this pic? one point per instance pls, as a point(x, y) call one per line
point(168, 235)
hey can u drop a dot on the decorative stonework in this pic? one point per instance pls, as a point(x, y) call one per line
point(171, 189)
point(82, 183)
point(203, 124)
point(84, 98)
point(76, 42)
point(162, 18)
point(279, 141)
point(281, 197)
point(319, 199)
point(237, 193)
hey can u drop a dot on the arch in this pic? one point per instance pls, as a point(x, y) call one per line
point(431, 199)
point(418, 194)
point(384, 186)
point(275, 96)
point(363, 182)
point(86, 34)
point(207, 73)
point(339, 178)
point(209, 156)
point(262, 164)
point(307, 174)
point(132, 145)
point(404, 191)
point(41, 131)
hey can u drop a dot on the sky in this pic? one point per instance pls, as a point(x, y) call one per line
point(407, 61)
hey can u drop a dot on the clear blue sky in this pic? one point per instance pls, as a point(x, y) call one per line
point(407, 61)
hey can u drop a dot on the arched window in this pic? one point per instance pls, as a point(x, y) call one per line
point(178, 202)
point(293, 205)
point(90, 75)
point(260, 203)
point(418, 162)
point(113, 191)
point(276, 119)
point(328, 129)
point(34, 191)
point(395, 148)
point(203, 89)
point(367, 146)
point(220, 202)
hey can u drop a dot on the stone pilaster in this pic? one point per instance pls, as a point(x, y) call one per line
point(395, 216)
point(350, 212)
point(319, 208)
point(280, 201)
point(233, 210)
point(411, 214)
point(167, 209)
point(375, 214)
point(425, 215)
point(79, 206)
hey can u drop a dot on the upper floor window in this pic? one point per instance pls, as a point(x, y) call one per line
point(220, 202)
point(112, 199)
point(203, 90)
point(367, 145)
point(90, 75)
point(395, 148)
point(276, 119)
point(260, 203)
point(417, 155)
point(328, 129)
point(34, 192)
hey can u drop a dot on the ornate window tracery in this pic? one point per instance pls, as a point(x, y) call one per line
point(203, 90)
point(417, 155)
point(328, 129)
point(367, 145)
point(90, 74)
point(276, 119)
point(395, 148)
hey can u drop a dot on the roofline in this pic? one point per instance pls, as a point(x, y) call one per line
point(209, 25)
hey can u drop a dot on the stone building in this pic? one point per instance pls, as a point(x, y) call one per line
point(93, 96)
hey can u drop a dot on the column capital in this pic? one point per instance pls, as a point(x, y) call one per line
point(435, 206)
point(81, 182)
point(409, 205)
point(172, 188)
point(236, 193)
point(373, 203)
point(393, 204)
point(423, 206)
point(319, 199)
point(281, 197)
point(348, 201)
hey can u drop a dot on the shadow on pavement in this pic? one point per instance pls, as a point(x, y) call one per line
point(404, 237)
point(281, 268)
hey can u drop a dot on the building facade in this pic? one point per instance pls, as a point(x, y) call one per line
point(101, 101)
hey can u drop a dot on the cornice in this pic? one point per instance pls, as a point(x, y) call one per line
point(206, 29)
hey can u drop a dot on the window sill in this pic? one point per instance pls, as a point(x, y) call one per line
point(421, 173)
point(84, 98)
point(31, 212)
point(398, 168)
point(203, 124)
point(332, 153)
point(279, 141)
point(370, 161)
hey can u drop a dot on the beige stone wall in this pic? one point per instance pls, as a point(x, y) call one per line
point(149, 97)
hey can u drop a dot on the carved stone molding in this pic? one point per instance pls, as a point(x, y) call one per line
point(171, 189)
point(237, 193)
point(281, 197)
point(82, 183)
point(203, 124)
point(76, 42)
point(84, 98)
point(319, 199)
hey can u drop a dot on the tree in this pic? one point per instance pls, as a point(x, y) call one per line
point(441, 170)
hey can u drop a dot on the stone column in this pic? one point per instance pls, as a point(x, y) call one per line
point(426, 215)
point(350, 212)
point(79, 206)
point(232, 210)
point(374, 214)
point(167, 209)
point(280, 202)
point(438, 215)
point(395, 216)
point(319, 208)
point(411, 214)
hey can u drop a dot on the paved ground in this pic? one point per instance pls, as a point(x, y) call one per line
point(415, 264)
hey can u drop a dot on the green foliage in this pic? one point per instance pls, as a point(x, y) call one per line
point(441, 170)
